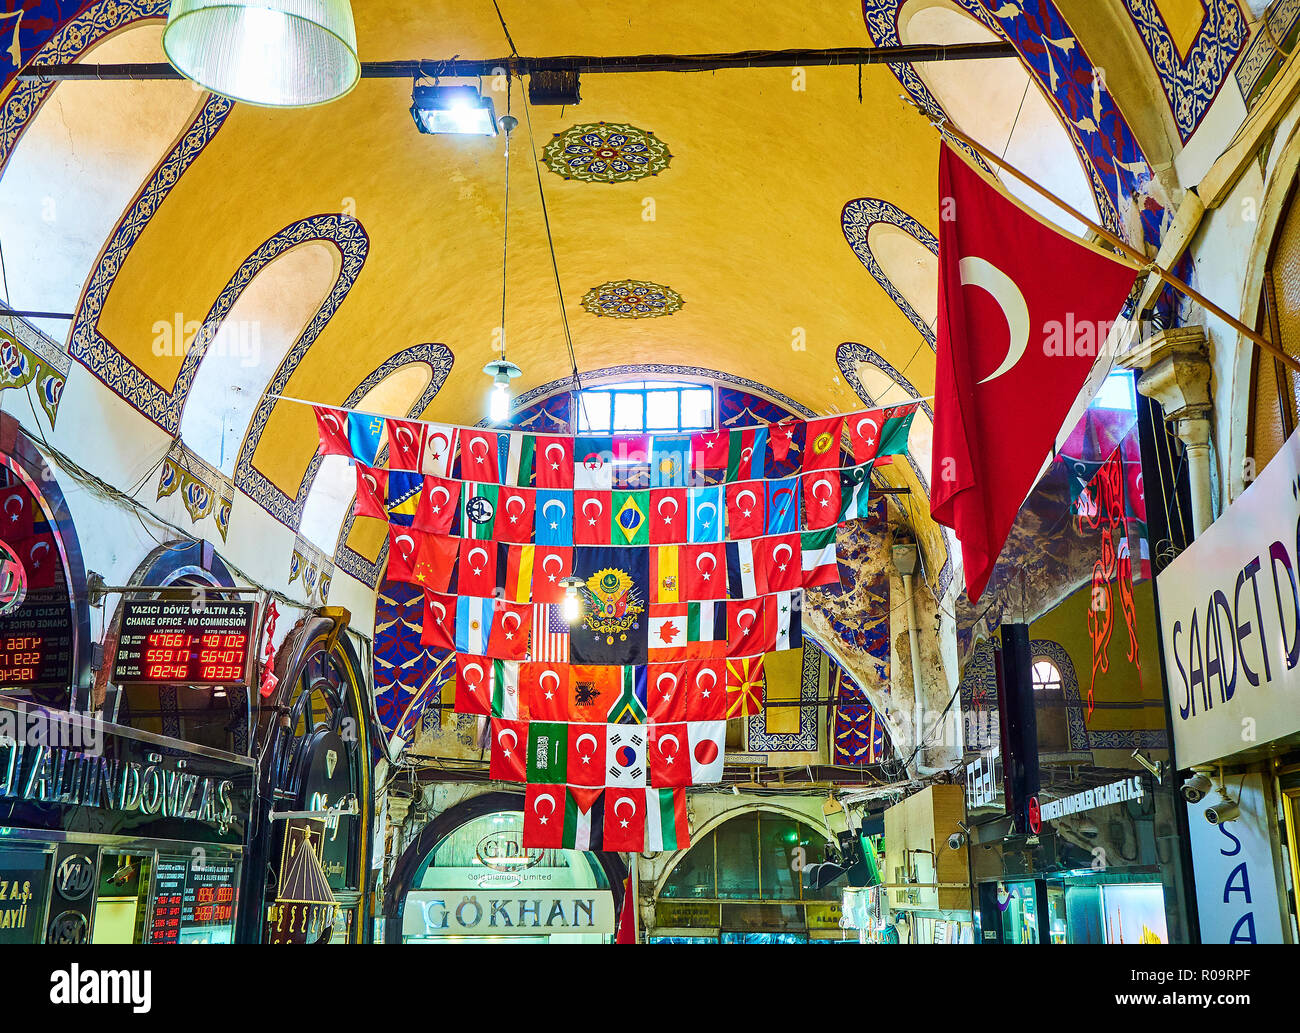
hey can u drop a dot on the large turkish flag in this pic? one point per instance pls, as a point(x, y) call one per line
point(1023, 313)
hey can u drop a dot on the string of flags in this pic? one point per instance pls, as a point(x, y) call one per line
point(683, 560)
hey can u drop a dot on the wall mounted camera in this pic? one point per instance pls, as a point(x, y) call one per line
point(956, 841)
point(1218, 813)
point(1197, 786)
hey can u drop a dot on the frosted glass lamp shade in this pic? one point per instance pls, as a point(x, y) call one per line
point(279, 53)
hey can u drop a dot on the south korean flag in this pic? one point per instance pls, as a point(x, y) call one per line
point(625, 756)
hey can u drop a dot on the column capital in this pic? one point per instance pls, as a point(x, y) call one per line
point(1175, 371)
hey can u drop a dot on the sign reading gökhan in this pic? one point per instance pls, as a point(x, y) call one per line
point(1230, 614)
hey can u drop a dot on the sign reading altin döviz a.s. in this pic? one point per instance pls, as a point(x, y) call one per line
point(1230, 620)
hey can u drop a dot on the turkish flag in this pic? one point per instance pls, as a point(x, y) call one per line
point(478, 568)
point(41, 559)
point(670, 763)
point(332, 429)
point(508, 639)
point(666, 689)
point(439, 630)
point(668, 518)
point(747, 631)
point(586, 755)
point(514, 521)
point(706, 690)
point(478, 456)
point(405, 445)
point(821, 499)
point(703, 572)
point(546, 687)
point(554, 462)
point(709, 452)
point(777, 566)
point(509, 751)
point(473, 685)
point(625, 819)
point(403, 551)
point(16, 520)
point(438, 506)
point(372, 487)
point(544, 817)
point(591, 517)
point(1005, 375)
point(745, 513)
point(551, 565)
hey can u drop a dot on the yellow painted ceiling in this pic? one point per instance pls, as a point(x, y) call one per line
point(746, 217)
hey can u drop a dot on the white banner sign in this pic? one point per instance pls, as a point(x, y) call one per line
point(1236, 884)
point(1230, 616)
point(456, 913)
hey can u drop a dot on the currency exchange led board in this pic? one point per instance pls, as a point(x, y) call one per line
point(177, 642)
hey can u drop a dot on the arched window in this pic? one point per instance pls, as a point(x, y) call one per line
point(249, 345)
point(329, 500)
point(749, 870)
point(650, 406)
point(76, 167)
point(1049, 705)
point(1001, 106)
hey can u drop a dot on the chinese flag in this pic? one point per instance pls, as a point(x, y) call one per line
point(332, 428)
point(372, 487)
point(554, 462)
point(438, 506)
point(435, 562)
point(439, 630)
point(544, 817)
point(1005, 378)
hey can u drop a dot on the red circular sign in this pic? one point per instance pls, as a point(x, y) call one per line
point(1035, 815)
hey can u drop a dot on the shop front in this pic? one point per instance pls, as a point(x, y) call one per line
point(112, 835)
point(1230, 622)
point(468, 879)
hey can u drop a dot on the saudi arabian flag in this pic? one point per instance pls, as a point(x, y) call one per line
point(666, 827)
point(895, 429)
point(584, 818)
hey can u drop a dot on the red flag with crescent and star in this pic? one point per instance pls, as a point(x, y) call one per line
point(1007, 372)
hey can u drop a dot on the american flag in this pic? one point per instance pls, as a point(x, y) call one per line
point(550, 633)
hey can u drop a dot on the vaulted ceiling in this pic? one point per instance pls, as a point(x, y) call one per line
point(793, 212)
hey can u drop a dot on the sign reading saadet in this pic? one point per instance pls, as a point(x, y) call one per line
point(1230, 621)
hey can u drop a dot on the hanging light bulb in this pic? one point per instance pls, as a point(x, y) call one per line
point(280, 53)
point(572, 606)
point(502, 371)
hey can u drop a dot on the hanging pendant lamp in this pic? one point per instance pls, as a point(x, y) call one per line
point(278, 53)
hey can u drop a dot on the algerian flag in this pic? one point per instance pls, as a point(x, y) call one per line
point(584, 818)
point(666, 826)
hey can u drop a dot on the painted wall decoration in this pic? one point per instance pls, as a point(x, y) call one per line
point(313, 567)
point(979, 697)
point(1191, 82)
point(812, 682)
point(606, 152)
point(856, 219)
point(632, 299)
point(1110, 154)
point(1268, 49)
point(30, 24)
point(31, 362)
point(203, 488)
point(858, 735)
point(407, 676)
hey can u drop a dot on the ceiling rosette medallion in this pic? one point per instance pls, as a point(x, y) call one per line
point(606, 152)
point(632, 299)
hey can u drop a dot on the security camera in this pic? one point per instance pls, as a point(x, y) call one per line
point(1154, 768)
point(956, 841)
point(1218, 813)
point(1197, 787)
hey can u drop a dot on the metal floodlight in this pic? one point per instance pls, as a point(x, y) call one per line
point(452, 109)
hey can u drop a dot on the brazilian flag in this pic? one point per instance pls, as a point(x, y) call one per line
point(631, 523)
